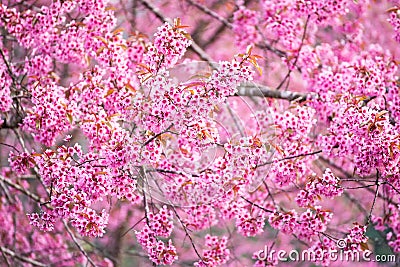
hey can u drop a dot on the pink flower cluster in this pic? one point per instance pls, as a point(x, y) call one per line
point(321, 248)
point(5, 85)
point(394, 20)
point(171, 42)
point(284, 221)
point(306, 225)
point(72, 39)
point(390, 223)
point(66, 69)
point(224, 81)
point(325, 11)
point(20, 163)
point(44, 221)
point(313, 221)
point(216, 253)
point(158, 225)
point(245, 22)
point(26, 240)
point(328, 186)
point(75, 185)
point(292, 131)
point(48, 117)
point(200, 217)
point(249, 225)
point(169, 46)
point(367, 134)
point(356, 239)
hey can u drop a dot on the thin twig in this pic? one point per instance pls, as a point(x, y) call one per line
point(13, 125)
point(9, 70)
point(375, 197)
point(359, 187)
point(347, 174)
point(35, 168)
point(82, 250)
point(127, 231)
point(256, 205)
point(13, 147)
point(227, 24)
point(5, 258)
point(187, 233)
point(269, 193)
point(298, 54)
point(290, 157)
point(210, 13)
point(155, 11)
point(157, 135)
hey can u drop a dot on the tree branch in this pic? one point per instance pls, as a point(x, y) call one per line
point(12, 125)
point(210, 13)
point(20, 188)
point(249, 89)
point(187, 233)
point(21, 258)
point(256, 205)
point(157, 135)
point(82, 250)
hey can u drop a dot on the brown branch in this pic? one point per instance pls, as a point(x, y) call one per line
point(20, 188)
point(9, 70)
point(35, 168)
point(155, 11)
point(235, 120)
point(12, 125)
point(244, 89)
point(203, 24)
point(256, 205)
point(187, 233)
point(377, 183)
point(130, 228)
point(82, 250)
point(21, 258)
point(202, 54)
point(210, 13)
point(249, 89)
point(5, 258)
point(10, 146)
point(162, 171)
point(157, 135)
point(101, 250)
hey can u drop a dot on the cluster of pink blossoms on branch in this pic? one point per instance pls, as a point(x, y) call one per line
point(197, 133)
